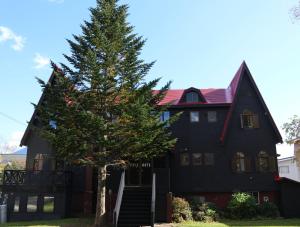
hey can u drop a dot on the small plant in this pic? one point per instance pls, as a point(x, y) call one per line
point(268, 209)
point(242, 205)
point(181, 210)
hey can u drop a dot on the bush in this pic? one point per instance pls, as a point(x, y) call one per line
point(206, 212)
point(242, 205)
point(181, 210)
point(268, 209)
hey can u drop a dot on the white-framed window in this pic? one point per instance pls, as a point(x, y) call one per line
point(194, 116)
point(284, 169)
point(192, 97)
point(211, 116)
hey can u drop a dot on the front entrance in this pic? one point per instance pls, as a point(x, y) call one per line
point(138, 174)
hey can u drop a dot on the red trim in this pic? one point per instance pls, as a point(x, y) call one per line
point(233, 87)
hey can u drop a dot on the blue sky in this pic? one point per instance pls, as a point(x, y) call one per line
point(196, 43)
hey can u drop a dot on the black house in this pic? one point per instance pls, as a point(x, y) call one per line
point(226, 143)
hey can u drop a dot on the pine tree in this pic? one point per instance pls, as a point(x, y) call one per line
point(105, 113)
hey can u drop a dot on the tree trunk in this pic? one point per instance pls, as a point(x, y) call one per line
point(100, 208)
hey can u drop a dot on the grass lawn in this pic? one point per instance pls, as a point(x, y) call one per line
point(258, 223)
point(74, 222)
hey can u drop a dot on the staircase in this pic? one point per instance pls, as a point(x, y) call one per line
point(135, 208)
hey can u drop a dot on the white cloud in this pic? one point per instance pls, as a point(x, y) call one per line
point(6, 34)
point(40, 61)
point(56, 1)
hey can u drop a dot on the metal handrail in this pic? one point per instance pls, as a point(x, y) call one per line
point(153, 198)
point(119, 200)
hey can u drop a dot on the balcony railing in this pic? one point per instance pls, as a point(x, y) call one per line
point(36, 178)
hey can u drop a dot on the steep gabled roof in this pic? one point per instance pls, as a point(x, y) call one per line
point(233, 90)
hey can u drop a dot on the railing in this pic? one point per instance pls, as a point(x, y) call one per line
point(119, 200)
point(153, 197)
point(27, 177)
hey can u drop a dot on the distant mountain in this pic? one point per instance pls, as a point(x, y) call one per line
point(21, 151)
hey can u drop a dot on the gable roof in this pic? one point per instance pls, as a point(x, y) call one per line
point(211, 96)
point(223, 96)
point(234, 88)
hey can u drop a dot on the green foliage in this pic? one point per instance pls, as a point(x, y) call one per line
point(181, 210)
point(206, 212)
point(242, 205)
point(105, 111)
point(268, 209)
point(292, 128)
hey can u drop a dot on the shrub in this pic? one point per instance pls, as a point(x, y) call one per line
point(242, 205)
point(181, 210)
point(206, 212)
point(268, 209)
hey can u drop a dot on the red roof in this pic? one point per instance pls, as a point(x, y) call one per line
point(211, 95)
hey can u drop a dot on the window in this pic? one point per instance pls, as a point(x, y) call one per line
point(194, 116)
point(249, 120)
point(212, 116)
point(209, 159)
point(52, 124)
point(197, 159)
point(266, 199)
point(241, 163)
point(165, 116)
point(32, 204)
point(263, 161)
point(48, 204)
point(256, 196)
point(266, 163)
point(38, 162)
point(17, 204)
point(184, 159)
point(238, 164)
point(192, 97)
point(284, 169)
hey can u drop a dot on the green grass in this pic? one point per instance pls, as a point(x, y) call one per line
point(238, 223)
point(87, 222)
point(73, 222)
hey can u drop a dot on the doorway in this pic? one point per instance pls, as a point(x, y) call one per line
point(139, 174)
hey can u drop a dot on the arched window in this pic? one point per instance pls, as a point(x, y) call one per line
point(192, 97)
point(263, 161)
point(266, 162)
point(238, 162)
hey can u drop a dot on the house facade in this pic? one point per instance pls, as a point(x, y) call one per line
point(226, 142)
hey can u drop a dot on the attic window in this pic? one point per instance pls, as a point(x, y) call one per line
point(192, 97)
point(249, 120)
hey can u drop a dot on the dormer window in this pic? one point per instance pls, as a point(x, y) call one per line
point(192, 97)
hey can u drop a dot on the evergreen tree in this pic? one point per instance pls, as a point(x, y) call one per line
point(104, 111)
